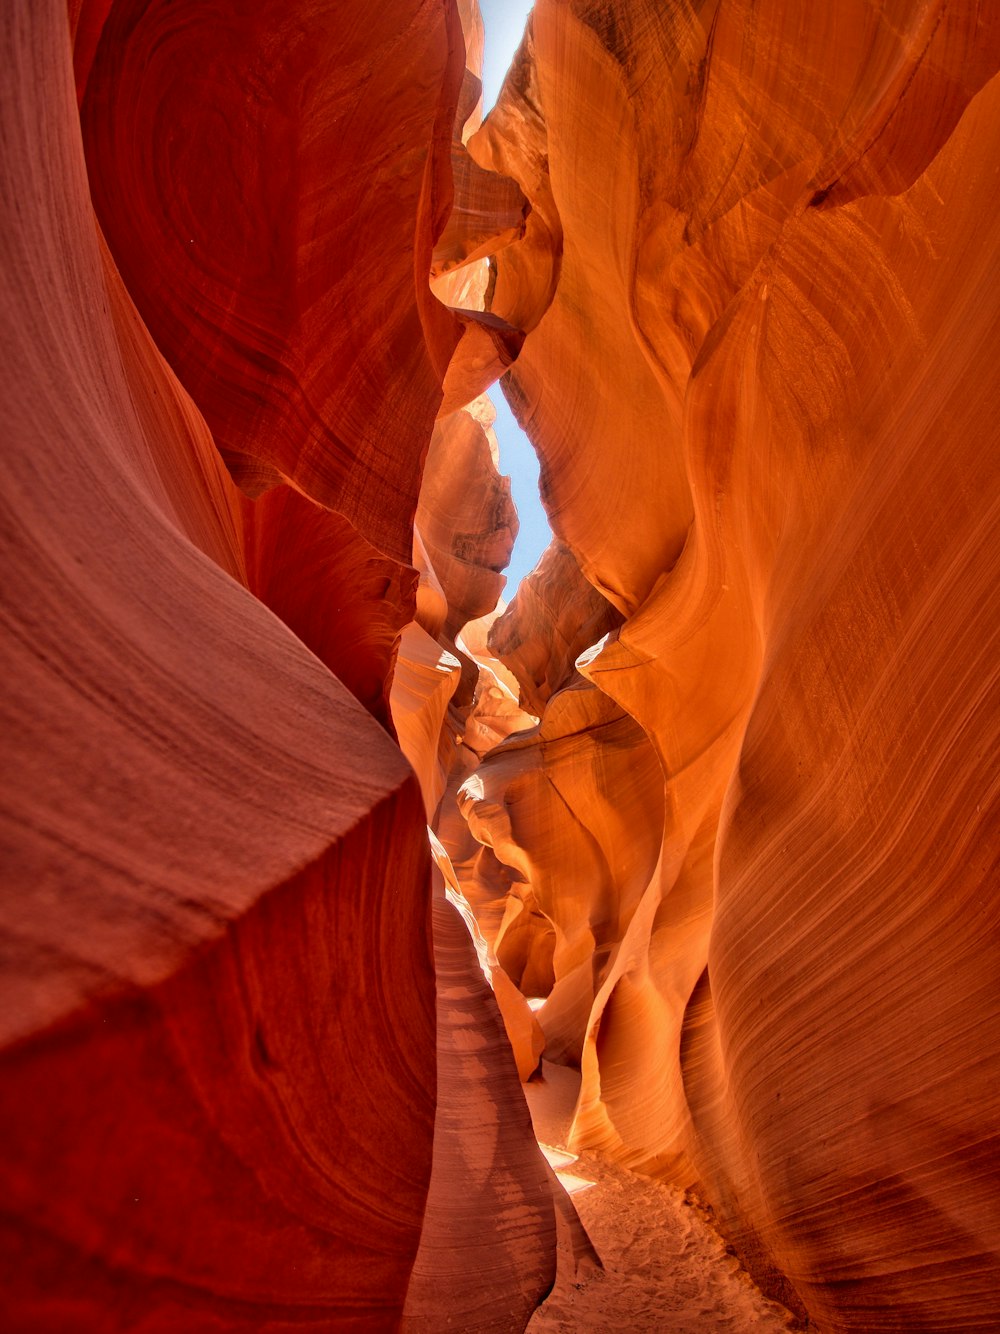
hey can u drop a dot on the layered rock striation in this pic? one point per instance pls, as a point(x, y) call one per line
point(764, 396)
point(716, 793)
point(226, 1059)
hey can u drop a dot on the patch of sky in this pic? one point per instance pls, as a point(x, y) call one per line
point(518, 461)
point(504, 22)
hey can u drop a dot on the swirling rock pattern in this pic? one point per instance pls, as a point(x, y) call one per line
point(274, 227)
point(556, 615)
point(465, 516)
point(219, 1037)
point(739, 260)
point(178, 843)
point(555, 806)
point(764, 392)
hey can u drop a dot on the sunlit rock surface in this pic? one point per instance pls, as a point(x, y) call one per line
point(465, 516)
point(556, 616)
point(760, 288)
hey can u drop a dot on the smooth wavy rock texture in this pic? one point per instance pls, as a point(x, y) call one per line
point(487, 1256)
point(763, 387)
point(465, 516)
point(556, 616)
point(179, 845)
point(714, 801)
point(577, 881)
point(275, 227)
point(219, 1079)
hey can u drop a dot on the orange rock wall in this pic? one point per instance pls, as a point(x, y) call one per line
point(764, 393)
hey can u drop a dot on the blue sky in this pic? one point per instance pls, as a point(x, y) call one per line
point(518, 461)
point(504, 22)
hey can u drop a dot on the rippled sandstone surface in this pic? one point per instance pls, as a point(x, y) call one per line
point(764, 394)
point(224, 1052)
point(719, 787)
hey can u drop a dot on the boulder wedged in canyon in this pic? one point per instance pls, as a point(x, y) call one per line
point(771, 254)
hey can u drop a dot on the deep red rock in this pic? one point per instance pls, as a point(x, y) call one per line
point(197, 892)
point(275, 226)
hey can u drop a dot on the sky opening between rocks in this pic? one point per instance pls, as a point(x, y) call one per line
point(504, 22)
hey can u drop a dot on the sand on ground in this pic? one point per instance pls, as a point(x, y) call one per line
point(665, 1267)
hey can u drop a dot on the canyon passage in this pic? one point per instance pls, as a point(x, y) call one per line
point(325, 867)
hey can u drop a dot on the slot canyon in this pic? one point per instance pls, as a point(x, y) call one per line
point(325, 867)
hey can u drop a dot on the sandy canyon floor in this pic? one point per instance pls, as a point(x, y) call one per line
point(666, 1270)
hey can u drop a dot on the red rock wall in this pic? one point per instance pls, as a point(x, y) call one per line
point(247, 175)
point(218, 1058)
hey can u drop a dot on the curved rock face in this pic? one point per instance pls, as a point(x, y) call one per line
point(554, 804)
point(465, 516)
point(177, 845)
point(719, 788)
point(556, 616)
point(765, 399)
point(246, 176)
point(218, 1059)
point(487, 1254)
point(344, 600)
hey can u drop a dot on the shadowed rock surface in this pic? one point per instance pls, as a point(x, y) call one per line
point(218, 1074)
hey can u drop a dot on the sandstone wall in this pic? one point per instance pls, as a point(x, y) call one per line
point(764, 393)
point(719, 787)
point(223, 1049)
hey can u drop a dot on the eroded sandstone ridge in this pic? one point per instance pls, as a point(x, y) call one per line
point(719, 787)
point(755, 863)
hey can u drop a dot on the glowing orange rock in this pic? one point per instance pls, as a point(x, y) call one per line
point(556, 615)
point(423, 683)
point(572, 886)
point(465, 517)
point(766, 403)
